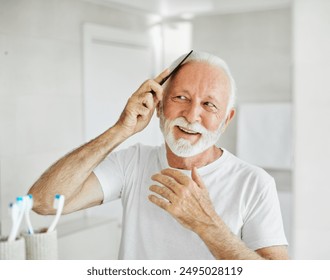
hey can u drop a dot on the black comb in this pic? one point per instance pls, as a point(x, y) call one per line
point(173, 71)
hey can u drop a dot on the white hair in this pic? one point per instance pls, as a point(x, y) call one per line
point(213, 61)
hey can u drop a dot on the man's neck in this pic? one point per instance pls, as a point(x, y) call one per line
point(200, 160)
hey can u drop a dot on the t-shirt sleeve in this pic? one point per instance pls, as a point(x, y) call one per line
point(111, 172)
point(263, 225)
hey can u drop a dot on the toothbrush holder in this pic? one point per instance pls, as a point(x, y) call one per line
point(41, 245)
point(12, 250)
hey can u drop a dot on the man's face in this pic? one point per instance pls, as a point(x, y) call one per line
point(193, 111)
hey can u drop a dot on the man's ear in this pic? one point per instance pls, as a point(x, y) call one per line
point(230, 116)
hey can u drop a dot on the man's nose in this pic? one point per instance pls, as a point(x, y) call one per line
point(193, 113)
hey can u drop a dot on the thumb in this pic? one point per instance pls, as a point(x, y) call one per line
point(198, 180)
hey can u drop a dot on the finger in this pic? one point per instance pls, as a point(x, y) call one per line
point(141, 110)
point(147, 101)
point(159, 80)
point(167, 181)
point(164, 192)
point(153, 88)
point(162, 203)
point(197, 178)
point(149, 85)
point(157, 93)
point(177, 175)
point(162, 75)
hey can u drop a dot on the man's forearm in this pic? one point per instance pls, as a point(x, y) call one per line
point(67, 175)
point(223, 244)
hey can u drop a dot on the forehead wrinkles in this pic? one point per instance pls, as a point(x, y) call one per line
point(198, 77)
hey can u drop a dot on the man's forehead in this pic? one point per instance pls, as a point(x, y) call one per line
point(199, 71)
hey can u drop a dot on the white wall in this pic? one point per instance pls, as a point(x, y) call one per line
point(311, 28)
point(41, 112)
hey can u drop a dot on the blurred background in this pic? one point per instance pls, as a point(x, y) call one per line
point(67, 68)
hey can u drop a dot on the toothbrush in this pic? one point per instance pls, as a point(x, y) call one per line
point(58, 205)
point(14, 211)
point(29, 204)
point(18, 210)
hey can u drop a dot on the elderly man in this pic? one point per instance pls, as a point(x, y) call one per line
point(187, 199)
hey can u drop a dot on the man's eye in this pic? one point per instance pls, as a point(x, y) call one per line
point(209, 104)
point(180, 97)
point(210, 107)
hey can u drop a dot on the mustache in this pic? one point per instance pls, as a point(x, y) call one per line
point(181, 121)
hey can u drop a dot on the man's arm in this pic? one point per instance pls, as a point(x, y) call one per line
point(223, 244)
point(188, 202)
point(72, 175)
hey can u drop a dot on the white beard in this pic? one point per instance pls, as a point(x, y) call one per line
point(182, 147)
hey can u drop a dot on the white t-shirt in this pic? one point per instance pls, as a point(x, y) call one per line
point(243, 195)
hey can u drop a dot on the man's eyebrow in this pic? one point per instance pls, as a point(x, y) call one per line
point(213, 98)
point(178, 91)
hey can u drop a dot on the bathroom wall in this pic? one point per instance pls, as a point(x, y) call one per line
point(311, 47)
point(41, 92)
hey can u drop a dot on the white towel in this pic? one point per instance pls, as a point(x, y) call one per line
point(265, 134)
